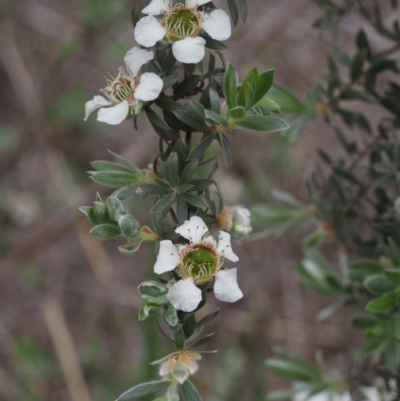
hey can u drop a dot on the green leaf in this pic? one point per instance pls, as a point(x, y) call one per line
point(106, 231)
point(186, 86)
point(191, 120)
point(215, 101)
point(243, 9)
point(292, 370)
point(365, 321)
point(179, 339)
point(357, 65)
point(115, 208)
point(190, 392)
point(143, 389)
point(237, 112)
point(171, 316)
point(173, 168)
point(189, 326)
point(359, 269)
point(379, 284)
point(230, 90)
point(192, 199)
point(90, 214)
point(188, 172)
point(201, 148)
point(233, 11)
point(115, 179)
point(246, 95)
point(172, 392)
point(226, 150)
point(287, 100)
point(102, 165)
point(264, 84)
point(208, 318)
point(382, 304)
point(262, 123)
point(204, 340)
point(129, 226)
point(216, 119)
point(155, 189)
point(163, 203)
point(200, 184)
point(155, 119)
point(169, 81)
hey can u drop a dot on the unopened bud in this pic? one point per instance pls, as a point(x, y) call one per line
point(235, 220)
point(180, 365)
point(148, 234)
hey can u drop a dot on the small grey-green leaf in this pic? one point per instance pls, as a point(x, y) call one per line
point(129, 226)
point(143, 389)
point(106, 231)
point(262, 123)
point(171, 316)
point(190, 392)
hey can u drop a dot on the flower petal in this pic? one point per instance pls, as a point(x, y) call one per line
point(184, 295)
point(157, 7)
point(168, 257)
point(94, 104)
point(218, 25)
point(196, 3)
point(226, 288)
point(189, 50)
point(148, 31)
point(224, 248)
point(149, 87)
point(193, 229)
point(114, 115)
point(136, 57)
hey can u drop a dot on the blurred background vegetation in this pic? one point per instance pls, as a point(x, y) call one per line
point(68, 302)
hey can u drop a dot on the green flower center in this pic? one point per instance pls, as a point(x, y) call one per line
point(181, 23)
point(119, 88)
point(200, 264)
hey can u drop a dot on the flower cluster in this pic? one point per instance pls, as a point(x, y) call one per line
point(179, 25)
point(197, 263)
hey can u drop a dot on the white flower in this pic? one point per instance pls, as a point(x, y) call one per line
point(198, 263)
point(236, 220)
point(181, 26)
point(126, 90)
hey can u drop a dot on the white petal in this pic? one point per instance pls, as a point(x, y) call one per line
point(167, 259)
point(193, 229)
point(224, 248)
point(149, 87)
point(148, 31)
point(184, 295)
point(94, 104)
point(218, 25)
point(136, 57)
point(189, 50)
point(196, 3)
point(157, 7)
point(226, 288)
point(114, 115)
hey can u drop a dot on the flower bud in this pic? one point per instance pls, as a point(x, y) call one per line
point(235, 220)
point(180, 365)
